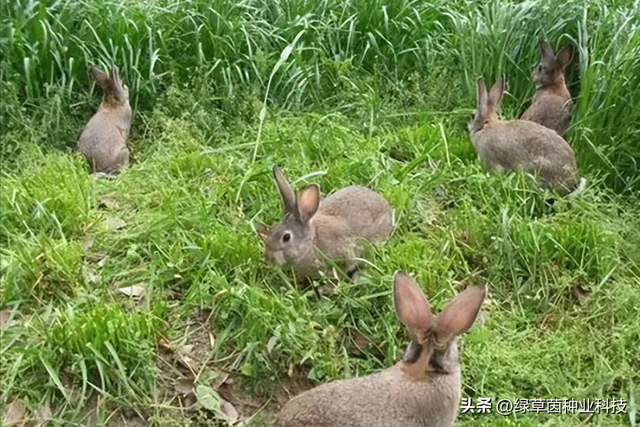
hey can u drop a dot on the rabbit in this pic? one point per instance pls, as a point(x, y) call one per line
point(509, 146)
point(551, 106)
point(421, 390)
point(103, 141)
point(313, 231)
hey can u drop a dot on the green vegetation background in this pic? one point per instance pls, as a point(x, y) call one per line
point(337, 92)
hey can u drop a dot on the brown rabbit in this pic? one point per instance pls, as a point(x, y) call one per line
point(521, 144)
point(103, 142)
point(551, 106)
point(313, 231)
point(422, 390)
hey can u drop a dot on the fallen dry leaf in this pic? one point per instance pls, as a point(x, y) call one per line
point(222, 378)
point(188, 363)
point(358, 343)
point(230, 411)
point(186, 349)
point(14, 413)
point(107, 202)
point(5, 315)
point(114, 223)
point(271, 344)
point(87, 243)
point(360, 340)
point(580, 294)
point(184, 386)
point(481, 318)
point(327, 290)
point(189, 400)
point(164, 342)
point(135, 291)
point(185, 360)
point(89, 276)
point(43, 415)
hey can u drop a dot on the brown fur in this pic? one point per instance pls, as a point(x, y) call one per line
point(520, 144)
point(422, 390)
point(328, 229)
point(551, 106)
point(103, 142)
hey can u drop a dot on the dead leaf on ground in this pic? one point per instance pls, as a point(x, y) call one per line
point(221, 379)
point(135, 291)
point(189, 363)
point(185, 349)
point(90, 417)
point(103, 260)
point(89, 276)
point(580, 294)
point(180, 356)
point(360, 340)
point(271, 344)
point(43, 415)
point(184, 386)
point(327, 290)
point(481, 318)
point(14, 413)
point(114, 223)
point(87, 243)
point(230, 412)
point(107, 202)
point(5, 316)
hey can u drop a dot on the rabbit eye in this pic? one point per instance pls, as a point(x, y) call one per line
point(286, 237)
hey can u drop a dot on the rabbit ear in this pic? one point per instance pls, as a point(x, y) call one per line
point(482, 101)
point(114, 74)
point(100, 76)
point(458, 316)
point(546, 52)
point(308, 202)
point(495, 95)
point(565, 55)
point(411, 304)
point(263, 231)
point(286, 192)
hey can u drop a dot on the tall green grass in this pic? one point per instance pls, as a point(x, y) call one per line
point(373, 93)
point(235, 45)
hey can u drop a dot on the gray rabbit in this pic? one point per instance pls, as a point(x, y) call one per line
point(551, 106)
point(522, 144)
point(313, 230)
point(422, 390)
point(103, 142)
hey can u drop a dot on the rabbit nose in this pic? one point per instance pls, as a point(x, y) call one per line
point(273, 257)
point(268, 255)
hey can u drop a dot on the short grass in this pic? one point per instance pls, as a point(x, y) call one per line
point(374, 94)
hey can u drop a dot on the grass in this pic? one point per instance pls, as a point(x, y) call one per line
point(335, 93)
